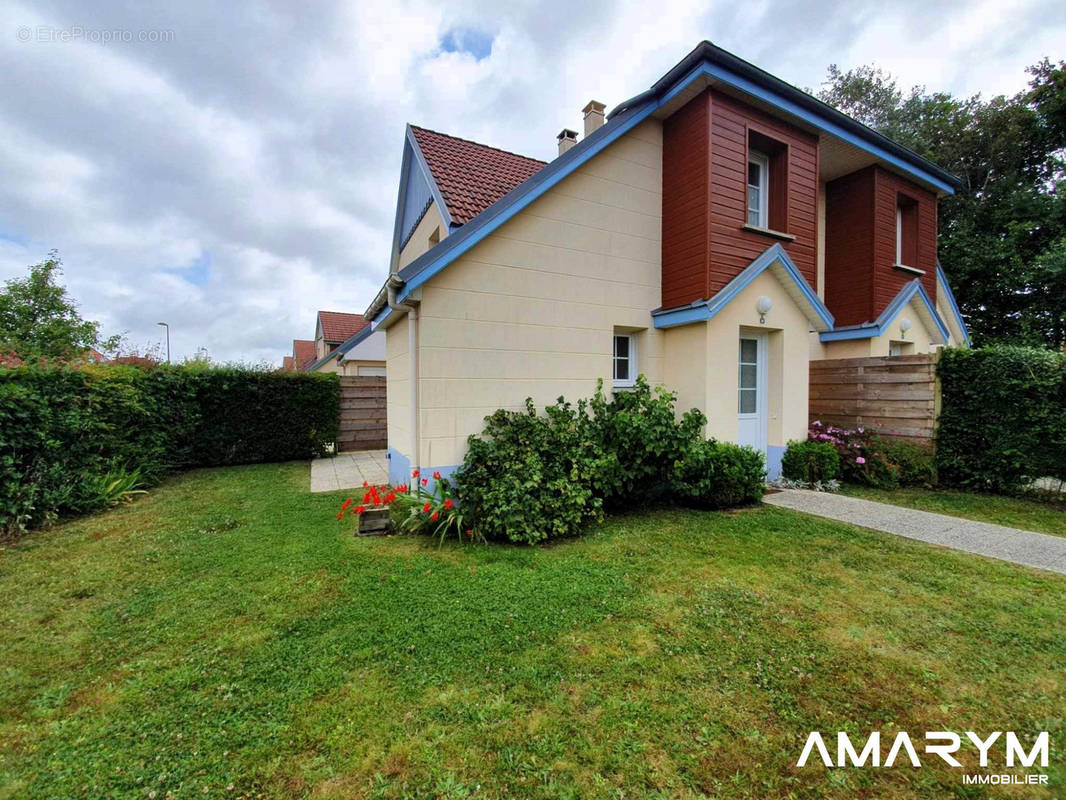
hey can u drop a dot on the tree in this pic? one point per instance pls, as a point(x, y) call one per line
point(38, 319)
point(1003, 235)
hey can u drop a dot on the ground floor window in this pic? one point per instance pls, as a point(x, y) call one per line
point(625, 360)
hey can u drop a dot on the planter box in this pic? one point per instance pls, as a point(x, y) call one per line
point(374, 521)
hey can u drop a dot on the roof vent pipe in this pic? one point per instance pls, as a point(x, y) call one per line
point(567, 139)
point(593, 112)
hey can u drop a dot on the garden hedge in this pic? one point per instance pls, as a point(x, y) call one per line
point(1003, 417)
point(62, 430)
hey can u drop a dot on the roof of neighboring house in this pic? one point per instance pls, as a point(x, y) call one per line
point(337, 326)
point(287, 364)
point(303, 352)
point(364, 334)
point(471, 176)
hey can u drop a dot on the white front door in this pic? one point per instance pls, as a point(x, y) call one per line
point(751, 391)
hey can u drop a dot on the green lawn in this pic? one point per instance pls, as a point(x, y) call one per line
point(1014, 512)
point(226, 636)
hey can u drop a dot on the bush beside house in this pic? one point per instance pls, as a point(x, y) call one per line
point(72, 440)
point(529, 477)
point(1003, 417)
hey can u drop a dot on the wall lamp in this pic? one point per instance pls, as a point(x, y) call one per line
point(763, 306)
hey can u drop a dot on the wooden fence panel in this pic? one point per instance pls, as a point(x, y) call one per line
point(897, 396)
point(363, 423)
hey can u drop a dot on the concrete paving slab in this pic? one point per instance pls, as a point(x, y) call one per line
point(995, 541)
point(349, 470)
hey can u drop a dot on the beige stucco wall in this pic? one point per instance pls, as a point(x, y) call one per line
point(702, 362)
point(397, 382)
point(419, 241)
point(531, 310)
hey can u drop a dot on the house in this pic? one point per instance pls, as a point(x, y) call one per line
point(347, 345)
point(303, 353)
point(716, 233)
point(287, 364)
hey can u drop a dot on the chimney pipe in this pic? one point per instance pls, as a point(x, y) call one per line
point(593, 112)
point(567, 139)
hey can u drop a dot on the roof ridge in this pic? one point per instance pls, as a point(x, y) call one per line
point(479, 144)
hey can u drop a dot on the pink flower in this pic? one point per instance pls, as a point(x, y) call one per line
point(860, 460)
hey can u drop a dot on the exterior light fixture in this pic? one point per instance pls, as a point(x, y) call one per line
point(904, 326)
point(763, 306)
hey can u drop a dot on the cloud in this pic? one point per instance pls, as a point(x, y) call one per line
point(241, 173)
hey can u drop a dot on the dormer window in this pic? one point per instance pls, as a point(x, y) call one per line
point(906, 231)
point(758, 189)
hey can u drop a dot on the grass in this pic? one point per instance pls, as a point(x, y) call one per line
point(1031, 514)
point(225, 636)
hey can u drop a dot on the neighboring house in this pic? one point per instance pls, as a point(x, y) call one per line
point(287, 364)
point(303, 353)
point(715, 233)
point(347, 345)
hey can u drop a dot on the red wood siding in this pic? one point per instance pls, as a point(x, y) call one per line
point(860, 243)
point(732, 248)
point(849, 247)
point(888, 281)
point(686, 203)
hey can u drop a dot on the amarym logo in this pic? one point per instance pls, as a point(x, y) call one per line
point(940, 743)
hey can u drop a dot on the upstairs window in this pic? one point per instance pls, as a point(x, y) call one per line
point(767, 184)
point(625, 360)
point(906, 231)
point(758, 189)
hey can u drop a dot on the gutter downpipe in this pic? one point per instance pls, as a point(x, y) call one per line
point(411, 310)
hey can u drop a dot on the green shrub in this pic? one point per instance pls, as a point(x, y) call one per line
point(714, 474)
point(915, 464)
point(861, 459)
point(75, 440)
point(530, 478)
point(812, 462)
point(1003, 417)
point(639, 428)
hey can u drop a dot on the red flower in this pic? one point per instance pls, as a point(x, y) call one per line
point(390, 497)
point(470, 532)
point(414, 474)
point(365, 484)
point(435, 515)
point(344, 506)
point(448, 504)
point(340, 515)
point(425, 481)
point(425, 508)
point(436, 475)
point(360, 509)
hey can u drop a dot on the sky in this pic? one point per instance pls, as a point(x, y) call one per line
point(230, 168)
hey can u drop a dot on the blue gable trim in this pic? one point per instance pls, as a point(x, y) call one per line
point(466, 236)
point(816, 120)
point(704, 62)
point(705, 309)
point(871, 330)
point(417, 191)
point(952, 304)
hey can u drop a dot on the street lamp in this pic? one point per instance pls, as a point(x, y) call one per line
point(168, 338)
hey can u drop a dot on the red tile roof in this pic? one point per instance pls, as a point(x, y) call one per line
point(338, 326)
point(471, 176)
point(303, 353)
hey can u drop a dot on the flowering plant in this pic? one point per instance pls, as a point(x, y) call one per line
point(437, 512)
point(373, 497)
point(862, 459)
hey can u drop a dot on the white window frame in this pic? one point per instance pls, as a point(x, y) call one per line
point(631, 381)
point(763, 162)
